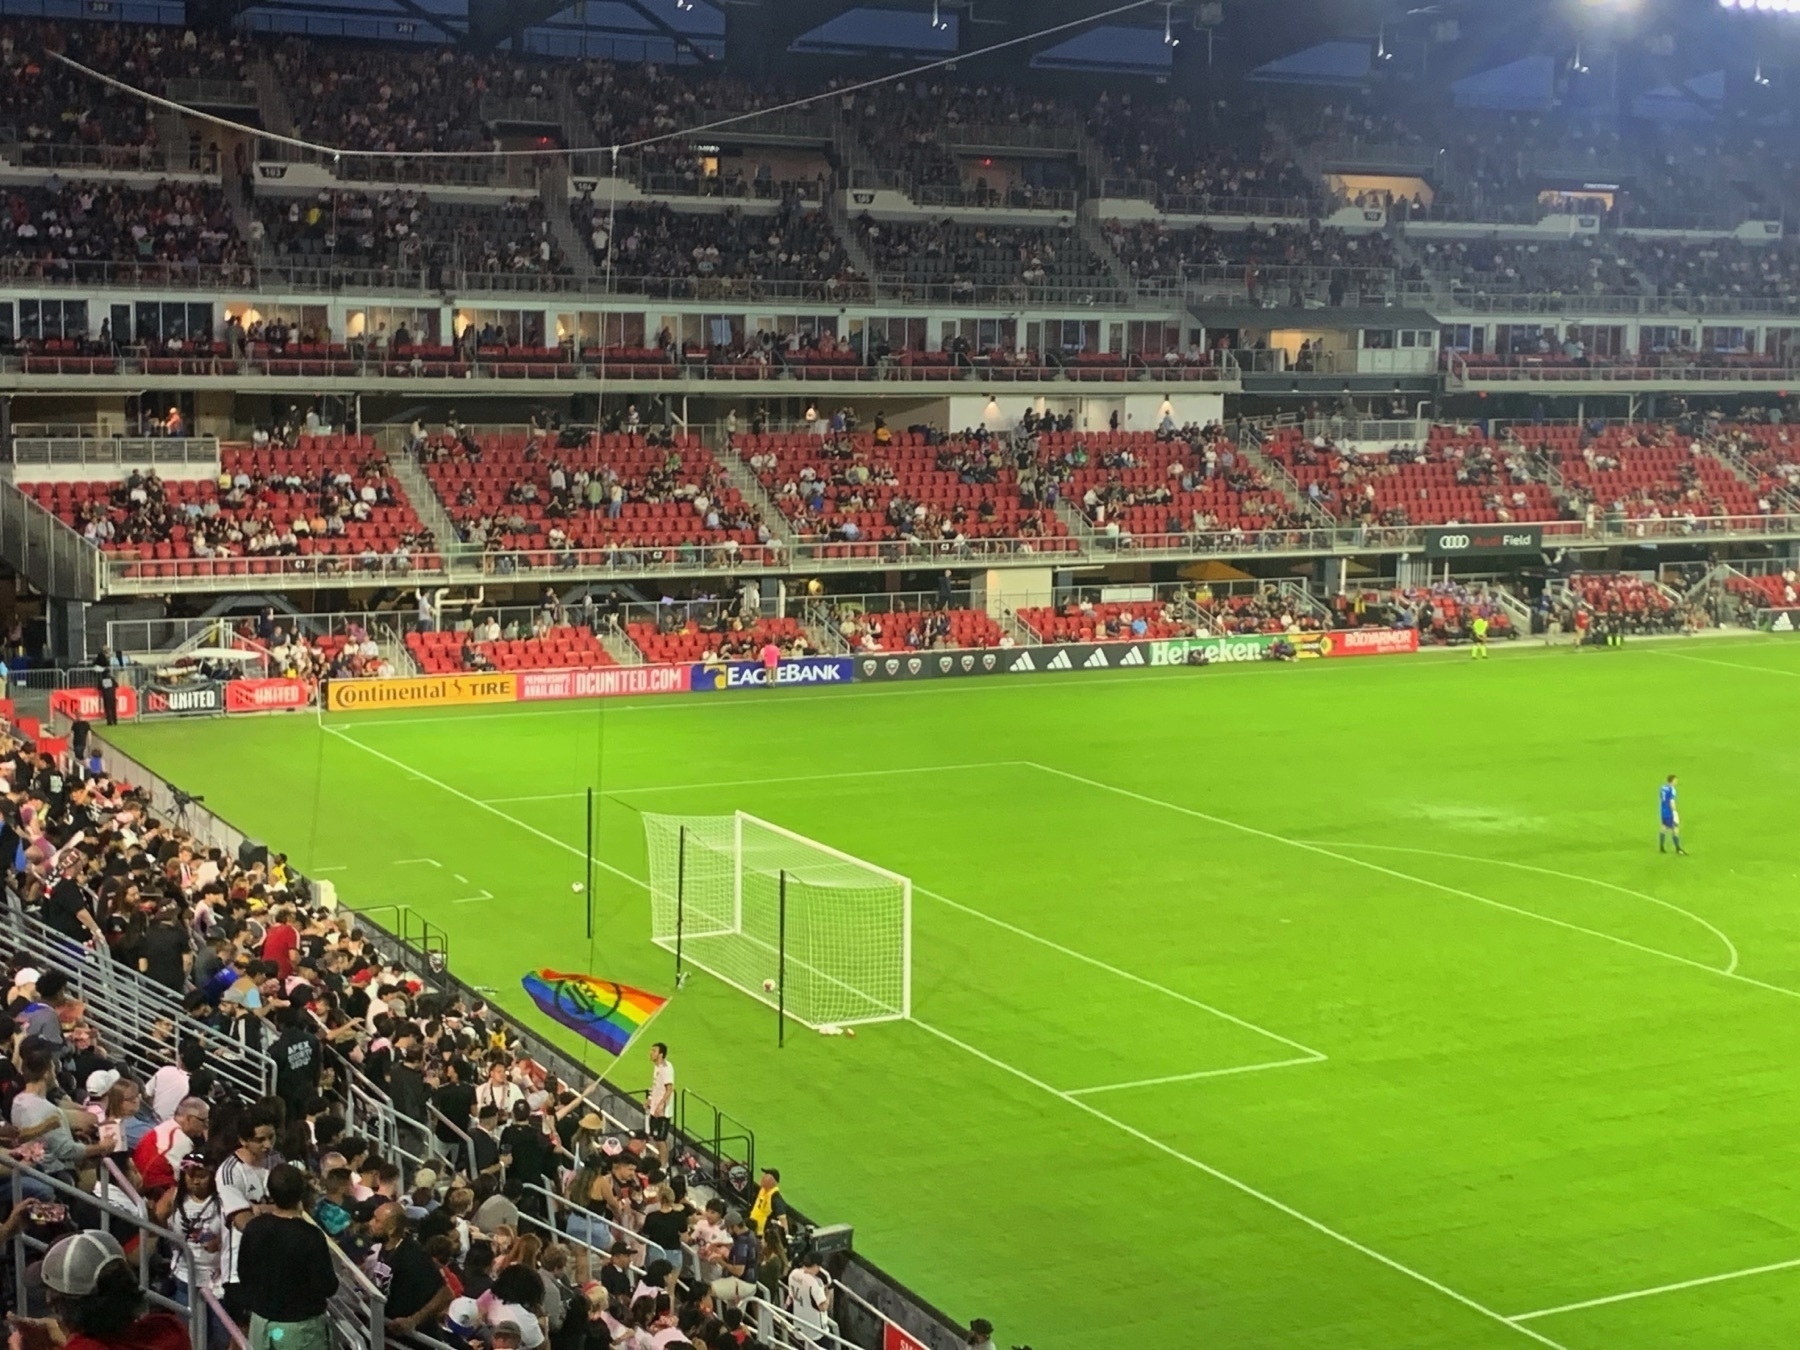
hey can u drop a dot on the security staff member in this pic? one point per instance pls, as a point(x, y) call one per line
point(109, 687)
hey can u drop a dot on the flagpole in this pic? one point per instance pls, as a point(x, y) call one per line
point(600, 1075)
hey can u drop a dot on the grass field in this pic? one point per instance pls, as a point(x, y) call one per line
point(1339, 1005)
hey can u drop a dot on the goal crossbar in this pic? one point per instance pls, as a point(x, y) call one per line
point(810, 929)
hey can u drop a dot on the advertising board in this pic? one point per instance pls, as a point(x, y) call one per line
point(428, 691)
point(603, 682)
point(713, 676)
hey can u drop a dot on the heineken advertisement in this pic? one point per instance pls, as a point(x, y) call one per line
point(1068, 657)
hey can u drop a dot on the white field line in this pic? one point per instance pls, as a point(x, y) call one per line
point(1306, 1050)
point(473, 899)
point(1734, 665)
point(1242, 1187)
point(1731, 950)
point(318, 871)
point(1659, 1289)
point(761, 782)
point(1192, 1077)
point(1398, 875)
point(413, 862)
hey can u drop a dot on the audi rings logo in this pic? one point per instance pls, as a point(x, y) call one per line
point(1453, 541)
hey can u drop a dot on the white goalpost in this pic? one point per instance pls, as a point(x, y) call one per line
point(821, 935)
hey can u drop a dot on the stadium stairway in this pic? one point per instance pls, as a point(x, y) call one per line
point(750, 488)
point(1746, 473)
point(1088, 226)
point(1075, 523)
point(554, 190)
point(426, 502)
point(1285, 483)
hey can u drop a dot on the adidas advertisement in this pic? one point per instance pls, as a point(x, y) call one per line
point(1004, 661)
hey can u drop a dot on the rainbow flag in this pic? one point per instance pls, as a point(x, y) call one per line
point(605, 1013)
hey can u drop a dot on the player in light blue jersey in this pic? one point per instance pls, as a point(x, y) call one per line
point(1671, 819)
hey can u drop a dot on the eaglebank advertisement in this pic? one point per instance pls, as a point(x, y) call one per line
point(716, 675)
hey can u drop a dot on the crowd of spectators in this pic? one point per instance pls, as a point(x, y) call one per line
point(399, 100)
point(795, 244)
point(60, 229)
point(256, 511)
point(274, 1195)
point(968, 260)
point(1223, 165)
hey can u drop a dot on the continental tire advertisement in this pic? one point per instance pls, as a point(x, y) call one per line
point(431, 691)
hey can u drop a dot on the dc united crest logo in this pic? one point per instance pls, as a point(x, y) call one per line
point(989, 662)
point(914, 666)
point(968, 663)
point(893, 666)
point(946, 664)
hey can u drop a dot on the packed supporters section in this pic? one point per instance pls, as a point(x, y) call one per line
point(680, 637)
point(58, 232)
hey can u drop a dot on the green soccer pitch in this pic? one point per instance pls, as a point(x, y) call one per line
point(1345, 1004)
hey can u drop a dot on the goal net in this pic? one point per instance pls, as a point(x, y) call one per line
point(790, 921)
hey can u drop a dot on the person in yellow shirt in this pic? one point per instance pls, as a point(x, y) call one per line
point(1479, 629)
point(768, 1203)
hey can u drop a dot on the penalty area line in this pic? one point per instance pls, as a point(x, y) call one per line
point(1679, 1285)
point(1195, 1077)
point(1242, 1187)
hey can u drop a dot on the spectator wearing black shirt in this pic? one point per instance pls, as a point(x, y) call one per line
point(416, 1293)
point(455, 1101)
point(164, 954)
point(298, 1058)
point(66, 908)
point(285, 1269)
point(532, 1153)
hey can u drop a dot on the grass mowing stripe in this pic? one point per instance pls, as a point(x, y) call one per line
point(1110, 969)
point(1242, 1187)
point(491, 809)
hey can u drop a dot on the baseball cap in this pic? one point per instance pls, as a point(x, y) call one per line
point(424, 1179)
point(29, 975)
point(464, 1313)
point(100, 1082)
point(72, 1266)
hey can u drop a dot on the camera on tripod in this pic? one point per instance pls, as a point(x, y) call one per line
point(183, 800)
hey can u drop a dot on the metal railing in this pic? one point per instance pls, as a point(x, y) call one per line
point(125, 576)
point(112, 451)
point(203, 93)
point(27, 1182)
point(1064, 200)
point(592, 367)
point(112, 159)
point(45, 551)
point(137, 1017)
